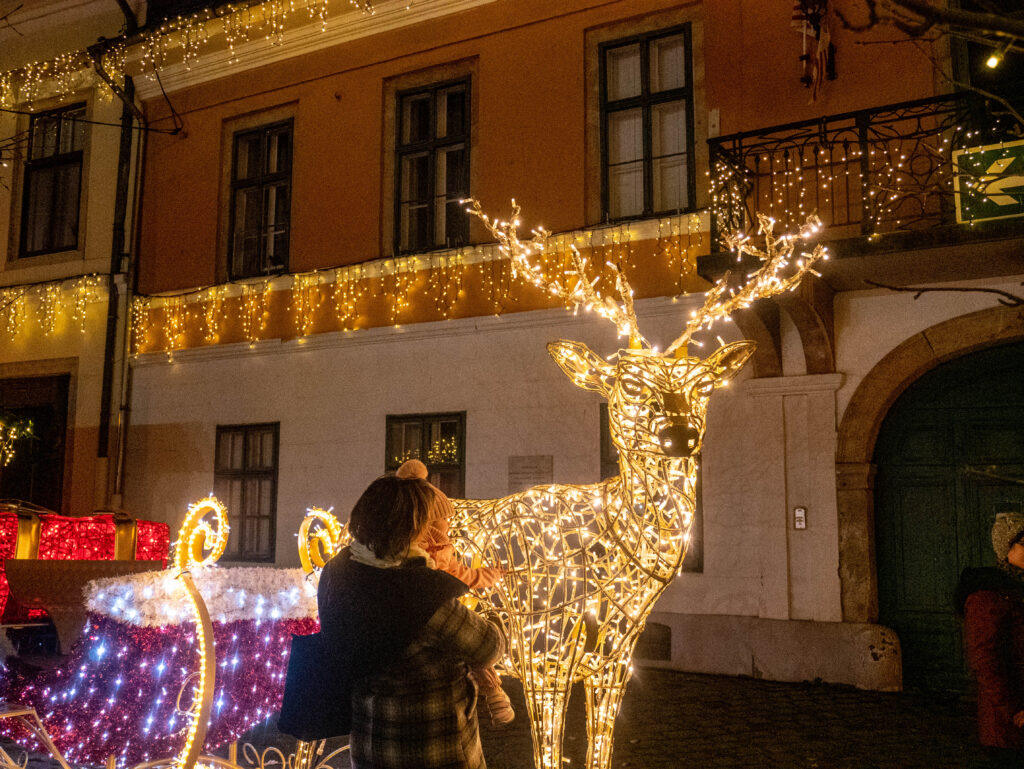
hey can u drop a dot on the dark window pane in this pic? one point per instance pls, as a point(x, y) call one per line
point(415, 118)
point(622, 72)
point(434, 176)
point(668, 63)
point(65, 207)
point(279, 152)
point(415, 178)
point(435, 439)
point(415, 227)
point(646, 164)
point(262, 201)
point(456, 224)
point(452, 167)
point(451, 112)
point(44, 136)
point(247, 156)
point(245, 479)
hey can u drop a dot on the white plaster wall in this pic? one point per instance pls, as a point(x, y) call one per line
point(869, 324)
point(770, 444)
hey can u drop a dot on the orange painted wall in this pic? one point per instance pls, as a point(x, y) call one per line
point(529, 94)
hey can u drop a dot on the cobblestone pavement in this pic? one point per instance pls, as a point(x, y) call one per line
point(674, 719)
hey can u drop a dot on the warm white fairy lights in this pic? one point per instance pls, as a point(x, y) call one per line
point(254, 310)
point(48, 303)
point(12, 430)
point(181, 39)
point(349, 288)
point(201, 542)
point(585, 564)
point(320, 537)
point(435, 286)
point(306, 299)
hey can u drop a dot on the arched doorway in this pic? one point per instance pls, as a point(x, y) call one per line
point(949, 458)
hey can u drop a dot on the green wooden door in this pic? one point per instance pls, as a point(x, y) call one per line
point(950, 457)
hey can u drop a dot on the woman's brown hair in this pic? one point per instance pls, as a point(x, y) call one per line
point(391, 513)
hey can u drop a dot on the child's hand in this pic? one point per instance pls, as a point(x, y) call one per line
point(489, 575)
point(1018, 719)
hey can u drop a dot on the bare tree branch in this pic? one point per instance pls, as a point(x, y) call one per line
point(5, 19)
point(916, 17)
point(1005, 297)
point(991, 23)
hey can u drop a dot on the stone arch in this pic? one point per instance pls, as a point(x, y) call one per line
point(859, 429)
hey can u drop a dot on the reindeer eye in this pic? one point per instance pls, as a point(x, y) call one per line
point(631, 385)
point(705, 389)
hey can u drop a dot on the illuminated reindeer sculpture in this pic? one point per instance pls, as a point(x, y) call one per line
point(585, 564)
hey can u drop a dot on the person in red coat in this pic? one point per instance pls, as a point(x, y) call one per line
point(992, 603)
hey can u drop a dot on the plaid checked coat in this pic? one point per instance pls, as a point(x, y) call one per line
point(417, 711)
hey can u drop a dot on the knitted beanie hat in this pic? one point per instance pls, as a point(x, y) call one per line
point(442, 506)
point(1007, 528)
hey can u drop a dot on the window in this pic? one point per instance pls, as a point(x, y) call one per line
point(647, 124)
point(245, 479)
point(437, 440)
point(432, 167)
point(36, 473)
point(53, 181)
point(261, 180)
point(694, 560)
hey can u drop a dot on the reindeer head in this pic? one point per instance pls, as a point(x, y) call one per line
point(657, 402)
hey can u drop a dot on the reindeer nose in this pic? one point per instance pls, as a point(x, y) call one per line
point(681, 437)
point(679, 440)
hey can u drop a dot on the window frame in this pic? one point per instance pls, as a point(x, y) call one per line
point(390, 464)
point(645, 101)
point(431, 146)
point(244, 473)
point(259, 182)
point(57, 160)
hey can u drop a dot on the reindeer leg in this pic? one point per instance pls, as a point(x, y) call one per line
point(547, 696)
point(604, 691)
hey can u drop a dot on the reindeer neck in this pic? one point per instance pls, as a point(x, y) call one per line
point(651, 484)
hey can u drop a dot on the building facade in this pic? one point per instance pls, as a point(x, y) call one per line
point(314, 305)
point(67, 162)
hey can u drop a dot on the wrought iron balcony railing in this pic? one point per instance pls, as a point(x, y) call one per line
point(870, 172)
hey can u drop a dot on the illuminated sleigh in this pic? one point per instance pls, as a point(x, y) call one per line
point(144, 685)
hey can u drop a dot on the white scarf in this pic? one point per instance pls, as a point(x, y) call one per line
point(362, 554)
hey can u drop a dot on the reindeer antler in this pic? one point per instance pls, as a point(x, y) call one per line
point(584, 293)
point(721, 301)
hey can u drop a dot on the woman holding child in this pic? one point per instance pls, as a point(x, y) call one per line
point(394, 624)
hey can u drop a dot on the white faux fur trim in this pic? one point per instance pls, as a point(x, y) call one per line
point(157, 598)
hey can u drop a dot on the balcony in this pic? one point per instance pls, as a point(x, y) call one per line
point(884, 184)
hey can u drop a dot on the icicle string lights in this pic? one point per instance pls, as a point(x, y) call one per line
point(49, 304)
point(181, 39)
point(434, 285)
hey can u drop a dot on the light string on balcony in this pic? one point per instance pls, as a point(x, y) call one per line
point(54, 307)
point(904, 175)
point(179, 40)
point(398, 289)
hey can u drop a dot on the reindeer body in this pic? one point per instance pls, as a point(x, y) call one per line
point(585, 564)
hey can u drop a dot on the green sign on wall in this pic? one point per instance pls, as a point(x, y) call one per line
point(989, 182)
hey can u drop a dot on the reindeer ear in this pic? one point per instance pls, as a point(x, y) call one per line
point(585, 367)
point(725, 362)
